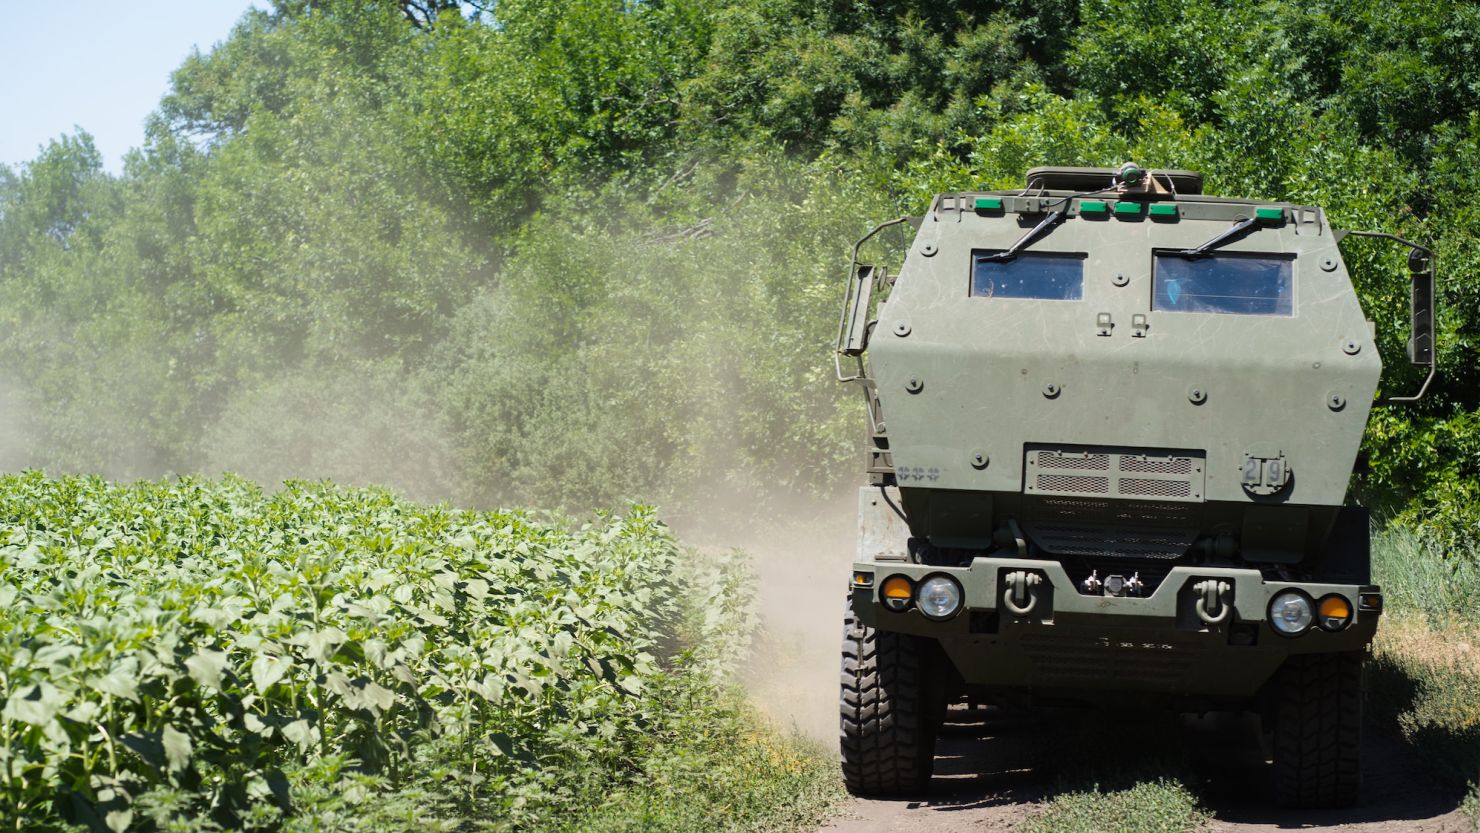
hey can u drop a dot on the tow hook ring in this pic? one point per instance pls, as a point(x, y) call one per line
point(1021, 596)
point(1212, 593)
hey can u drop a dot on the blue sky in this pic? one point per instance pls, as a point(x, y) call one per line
point(101, 65)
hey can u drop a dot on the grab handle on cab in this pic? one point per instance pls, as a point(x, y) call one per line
point(853, 327)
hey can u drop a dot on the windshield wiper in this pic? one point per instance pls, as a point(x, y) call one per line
point(1033, 234)
point(1228, 235)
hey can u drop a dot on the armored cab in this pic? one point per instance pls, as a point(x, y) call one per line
point(1111, 425)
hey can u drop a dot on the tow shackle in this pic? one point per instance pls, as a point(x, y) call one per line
point(1213, 605)
point(1021, 595)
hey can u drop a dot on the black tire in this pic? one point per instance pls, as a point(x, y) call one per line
point(1318, 731)
point(889, 711)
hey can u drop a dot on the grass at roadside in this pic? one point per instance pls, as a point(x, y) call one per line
point(1424, 678)
point(1162, 805)
point(1425, 682)
point(717, 764)
point(723, 768)
point(1420, 576)
point(1117, 770)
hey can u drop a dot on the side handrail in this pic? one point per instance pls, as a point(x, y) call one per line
point(853, 325)
point(1422, 343)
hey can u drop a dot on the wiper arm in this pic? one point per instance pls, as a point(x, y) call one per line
point(1228, 235)
point(1033, 234)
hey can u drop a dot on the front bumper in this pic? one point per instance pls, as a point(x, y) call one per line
point(1070, 643)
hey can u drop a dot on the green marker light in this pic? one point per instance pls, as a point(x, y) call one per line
point(988, 203)
point(1164, 210)
point(1092, 207)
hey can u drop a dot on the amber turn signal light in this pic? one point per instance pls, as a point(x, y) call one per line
point(1334, 612)
point(896, 592)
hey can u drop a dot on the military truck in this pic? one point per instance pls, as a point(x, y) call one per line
point(1111, 423)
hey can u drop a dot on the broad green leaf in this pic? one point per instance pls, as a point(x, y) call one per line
point(267, 671)
point(501, 744)
point(119, 820)
point(122, 680)
point(414, 645)
point(56, 655)
point(205, 667)
point(176, 747)
point(378, 697)
point(376, 652)
point(432, 618)
point(36, 704)
point(490, 688)
point(256, 725)
point(85, 712)
point(337, 683)
point(216, 617)
point(356, 698)
point(321, 644)
point(302, 733)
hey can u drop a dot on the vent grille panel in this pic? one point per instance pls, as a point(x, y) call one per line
point(1096, 541)
point(1090, 662)
point(1077, 485)
point(1176, 465)
point(1159, 488)
point(1134, 473)
point(1086, 462)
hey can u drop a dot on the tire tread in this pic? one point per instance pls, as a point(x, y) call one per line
point(887, 736)
point(1318, 731)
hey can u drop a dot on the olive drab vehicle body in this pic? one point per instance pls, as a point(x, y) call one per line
point(1111, 426)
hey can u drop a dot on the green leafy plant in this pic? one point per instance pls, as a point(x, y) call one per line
point(191, 650)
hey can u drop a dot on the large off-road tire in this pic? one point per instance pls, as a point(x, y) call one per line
point(1318, 730)
point(889, 710)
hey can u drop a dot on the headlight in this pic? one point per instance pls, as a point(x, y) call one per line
point(1336, 612)
point(939, 597)
point(1290, 613)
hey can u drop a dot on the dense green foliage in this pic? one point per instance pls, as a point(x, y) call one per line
point(199, 656)
point(582, 251)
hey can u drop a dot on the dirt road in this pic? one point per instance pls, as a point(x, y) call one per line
point(991, 775)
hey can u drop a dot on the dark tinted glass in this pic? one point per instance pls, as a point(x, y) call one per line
point(1234, 284)
point(1045, 276)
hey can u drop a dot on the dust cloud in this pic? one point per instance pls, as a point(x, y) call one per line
point(356, 426)
point(801, 560)
point(17, 444)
